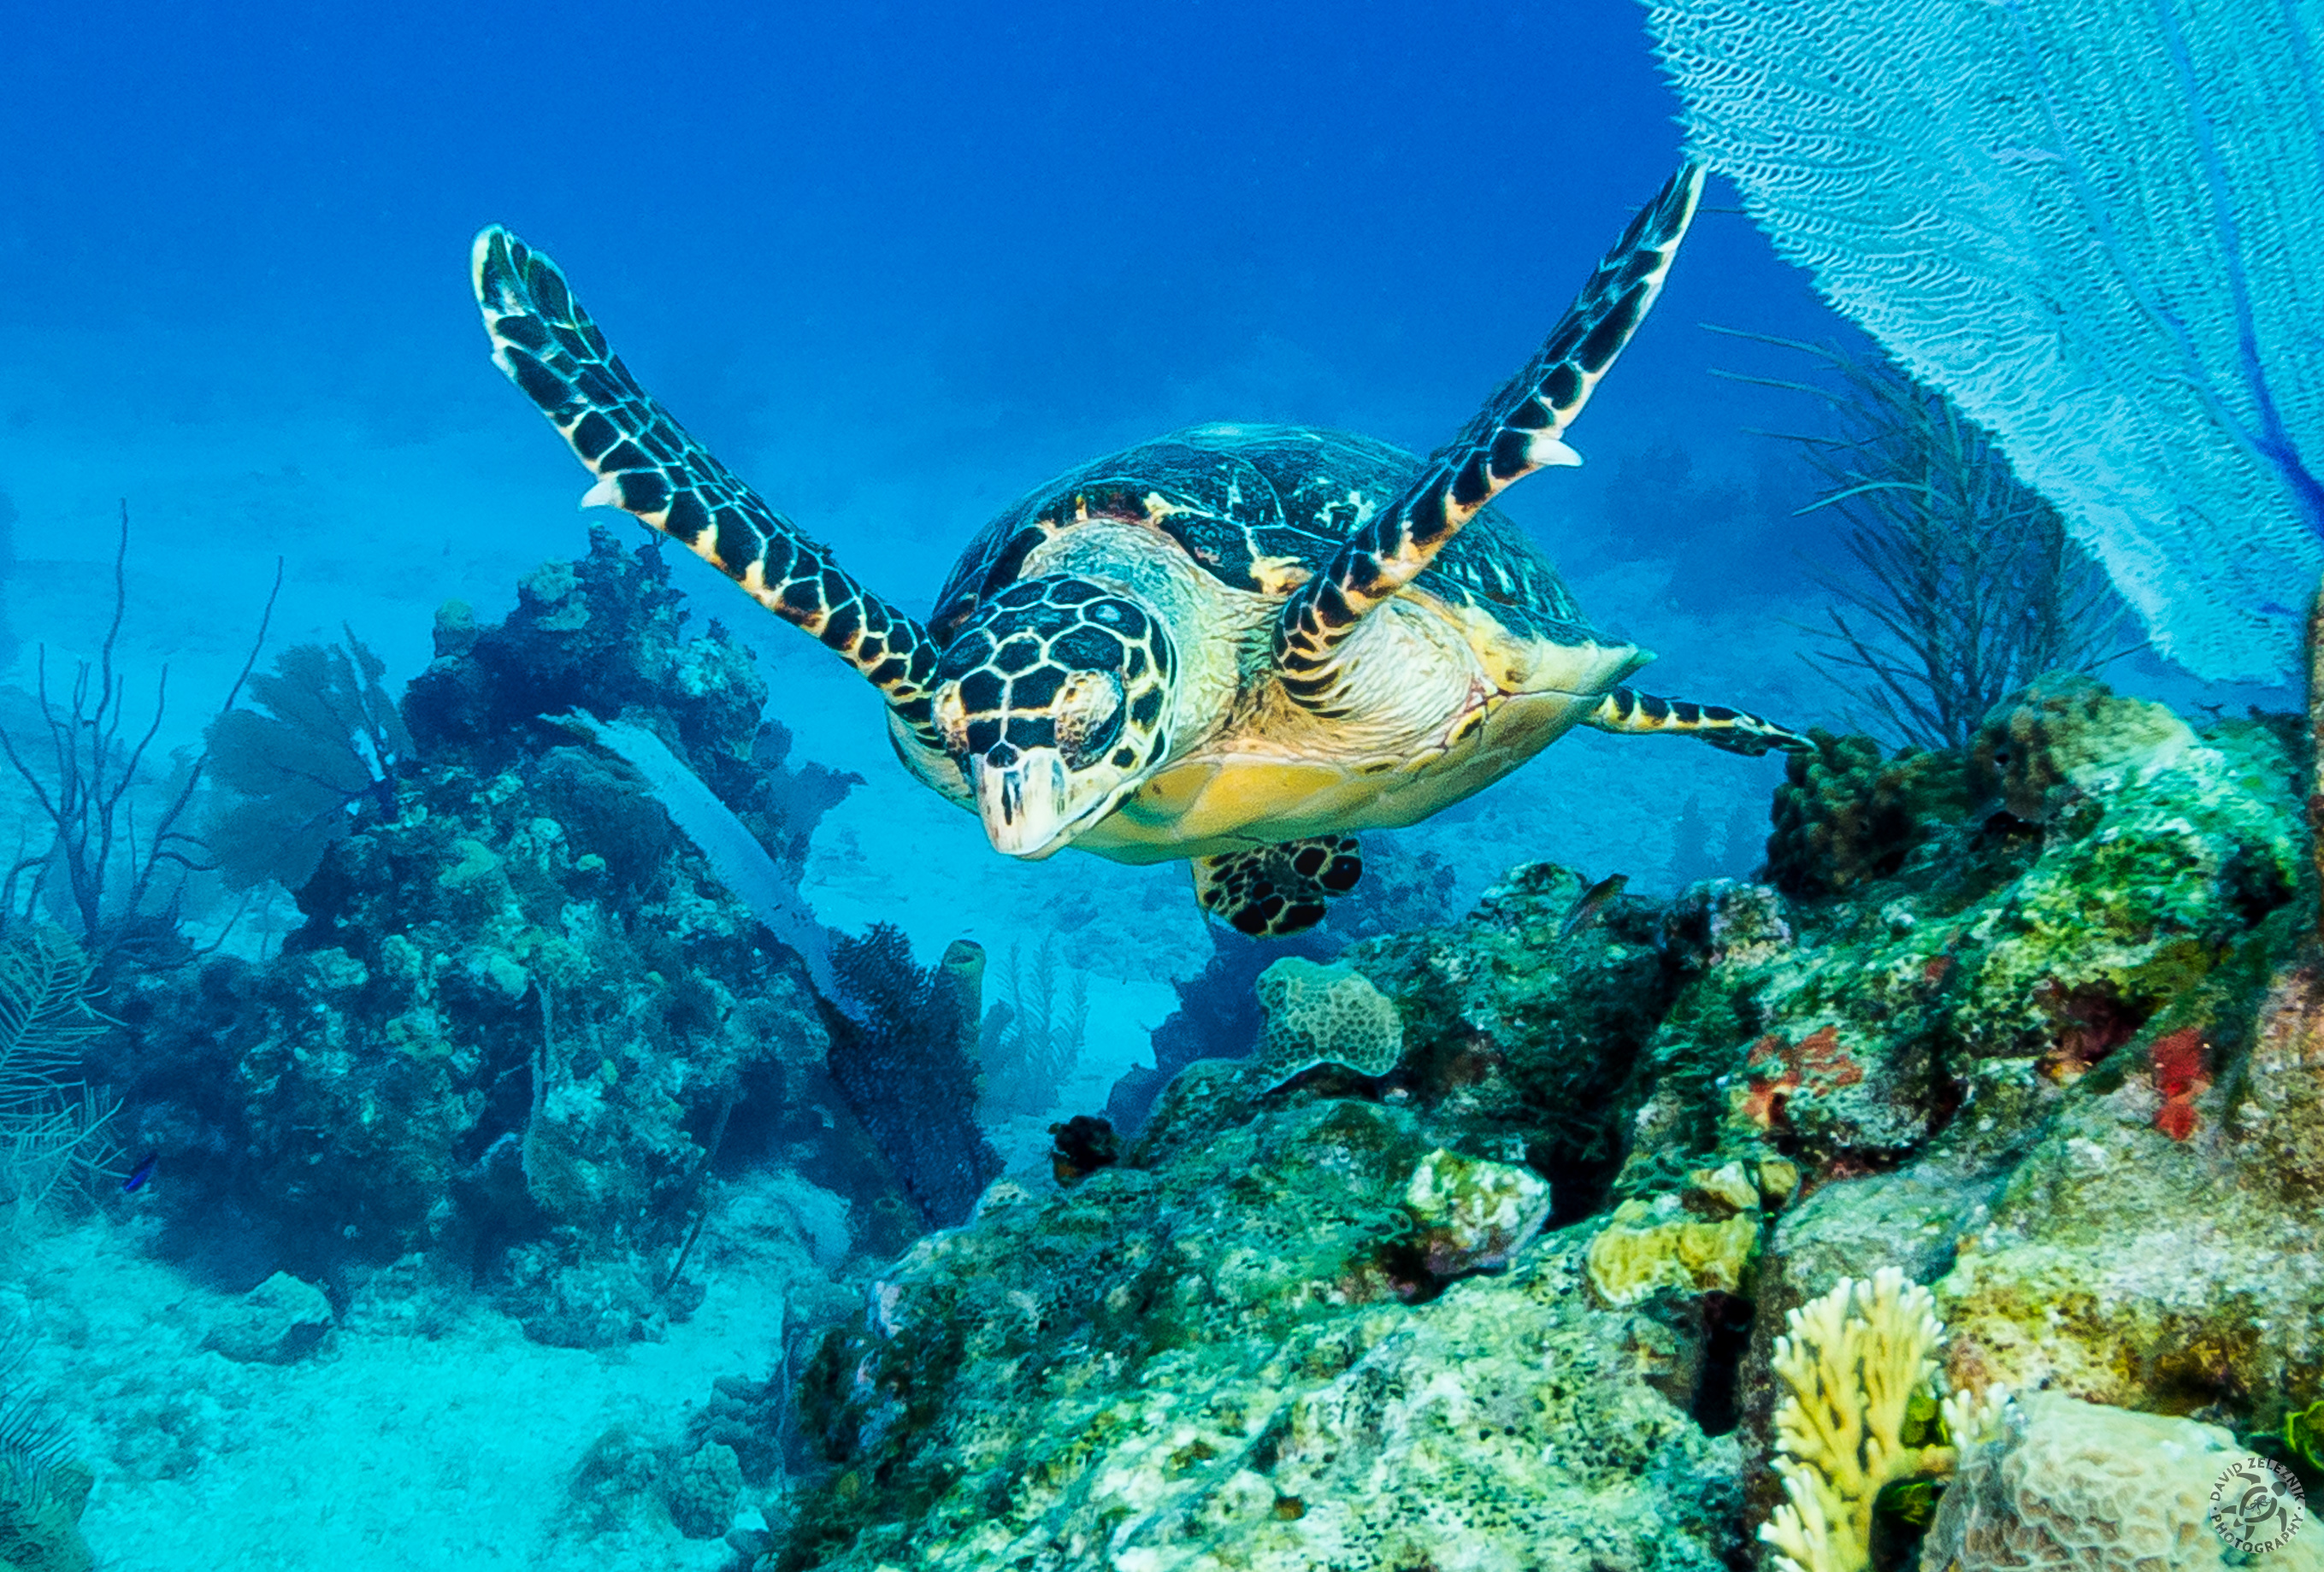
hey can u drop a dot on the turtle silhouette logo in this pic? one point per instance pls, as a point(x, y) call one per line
point(2256, 1505)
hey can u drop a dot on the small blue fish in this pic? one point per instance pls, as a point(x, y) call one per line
point(140, 1173)
point(1594, 900)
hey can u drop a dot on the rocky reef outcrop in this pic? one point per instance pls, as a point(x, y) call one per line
point(1223, 1346)
point(2039, 1025)
point(525, 1014)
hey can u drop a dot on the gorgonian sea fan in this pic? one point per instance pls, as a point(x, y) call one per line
point(2089, 223)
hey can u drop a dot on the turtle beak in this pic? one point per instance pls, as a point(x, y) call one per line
point(1023, 803)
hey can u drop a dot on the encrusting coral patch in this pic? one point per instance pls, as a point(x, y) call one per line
point(1324, 1015)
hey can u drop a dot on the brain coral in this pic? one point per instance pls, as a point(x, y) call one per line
point(2099, 1489)
point(1324, 1015)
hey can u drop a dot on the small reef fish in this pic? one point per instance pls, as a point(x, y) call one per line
point(1594, 900)
point(140, 1173)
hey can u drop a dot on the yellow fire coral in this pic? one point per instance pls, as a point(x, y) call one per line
point(1856, 1360)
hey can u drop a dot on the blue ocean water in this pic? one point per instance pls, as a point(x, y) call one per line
point(896, 264)
point(858, 249)
point(896, 267)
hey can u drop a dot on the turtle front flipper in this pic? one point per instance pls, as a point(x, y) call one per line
point(646, 464)
point(1520, 429)
point(1273, 891)
point(1633, 714)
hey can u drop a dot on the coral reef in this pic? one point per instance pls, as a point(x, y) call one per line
point(2014, 919)
point(2173, 1273)
point(1213, 1360)
point(1532, 1036)
point(523, 1009)
point(2029, 1033)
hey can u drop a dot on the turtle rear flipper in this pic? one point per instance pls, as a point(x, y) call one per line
point(1633, 714)
point(1520, 429)
point(1273, 891)
point(647, 465)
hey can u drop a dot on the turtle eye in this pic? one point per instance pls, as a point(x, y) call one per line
point(1088, 714)
point(952, 718)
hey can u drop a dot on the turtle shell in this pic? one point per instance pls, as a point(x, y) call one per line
point(1240, 497)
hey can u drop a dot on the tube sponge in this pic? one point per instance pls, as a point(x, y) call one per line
point(2088, 223)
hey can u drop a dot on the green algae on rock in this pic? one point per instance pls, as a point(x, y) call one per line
point(1962, 984)
point(1472, 1214)
point(2130, 1265)
point(1528, 1039)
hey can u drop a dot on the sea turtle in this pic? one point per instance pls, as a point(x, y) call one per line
point(1235, 644)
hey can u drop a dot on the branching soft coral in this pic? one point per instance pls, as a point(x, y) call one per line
point(904, 1058)
point(56, 1134)
point(114, 883)
point(1965, 587)
point(1031, 1039)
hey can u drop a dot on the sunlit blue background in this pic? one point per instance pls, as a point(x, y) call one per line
point(897, 264)
point(872, 241)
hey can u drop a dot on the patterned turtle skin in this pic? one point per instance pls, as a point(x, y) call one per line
point(1246, 503)
point(1235, 645)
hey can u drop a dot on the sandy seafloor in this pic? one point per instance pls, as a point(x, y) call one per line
point(416, 1453)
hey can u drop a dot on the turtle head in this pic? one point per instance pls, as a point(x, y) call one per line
point(1055, 701)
